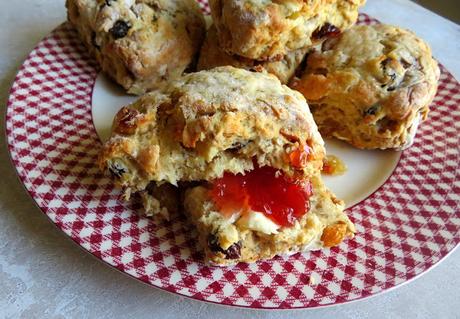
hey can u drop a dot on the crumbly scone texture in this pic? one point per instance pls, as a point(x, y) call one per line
point(140, 44)
point(212, 55)
point(210, 122)
point(263, 30)
point(160, 200)
point(370, 86)
point(228, 240)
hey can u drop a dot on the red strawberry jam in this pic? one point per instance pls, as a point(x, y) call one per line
point(263, 190)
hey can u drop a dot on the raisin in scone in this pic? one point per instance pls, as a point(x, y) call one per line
point(370, 86)
point(212, 55)
point(267, 30)
point(208, 132)
point(140, 44)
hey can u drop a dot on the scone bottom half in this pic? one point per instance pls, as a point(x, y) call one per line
point(265, 217)
point(213, 55)
point(231, 141)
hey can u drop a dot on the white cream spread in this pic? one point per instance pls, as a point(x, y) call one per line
point(258, 222)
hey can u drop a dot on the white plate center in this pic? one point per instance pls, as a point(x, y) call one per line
point(367, 170)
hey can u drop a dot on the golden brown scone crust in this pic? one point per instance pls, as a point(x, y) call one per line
point(205, 123)
point(212, 55)
point(228, 240)
point(140, 44)
point(370, 86)
point(262, 30)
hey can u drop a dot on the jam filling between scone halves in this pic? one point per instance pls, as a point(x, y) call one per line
point(264, 190)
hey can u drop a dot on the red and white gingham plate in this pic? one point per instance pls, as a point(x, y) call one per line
point(404, 228)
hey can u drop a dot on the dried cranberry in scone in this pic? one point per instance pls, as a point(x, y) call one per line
point(327, 30)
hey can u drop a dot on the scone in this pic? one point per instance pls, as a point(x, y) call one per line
point(371, 86)
point(210, 130)
point(212, 55)
point(140, 44)
point(268, 30)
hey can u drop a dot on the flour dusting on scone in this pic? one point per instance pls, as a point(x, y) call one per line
point(370, 86)
point(268, 30)
point(247, 151)
point(140, 44)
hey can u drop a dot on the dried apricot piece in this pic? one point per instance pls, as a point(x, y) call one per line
point(299, 157)
point(334, 234)
point(126, 121)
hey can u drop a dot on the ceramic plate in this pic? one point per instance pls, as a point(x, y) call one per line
point(405, 205)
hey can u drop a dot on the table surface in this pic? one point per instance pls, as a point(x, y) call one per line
point(447, 8)
point(44, 274)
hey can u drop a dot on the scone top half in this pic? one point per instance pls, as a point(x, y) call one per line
point(212, 122)
point(141, 44)
point(370, 86)
point(267, 30)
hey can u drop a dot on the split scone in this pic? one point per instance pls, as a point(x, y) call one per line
point(212, 55)
point(370, 86)
point(140, 44)
point(248, 152)
point(268, 30)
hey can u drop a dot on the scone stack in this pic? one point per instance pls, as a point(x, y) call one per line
point(272, 36)
point(239, 151)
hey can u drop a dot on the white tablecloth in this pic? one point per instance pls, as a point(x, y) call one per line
point(43, 274)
